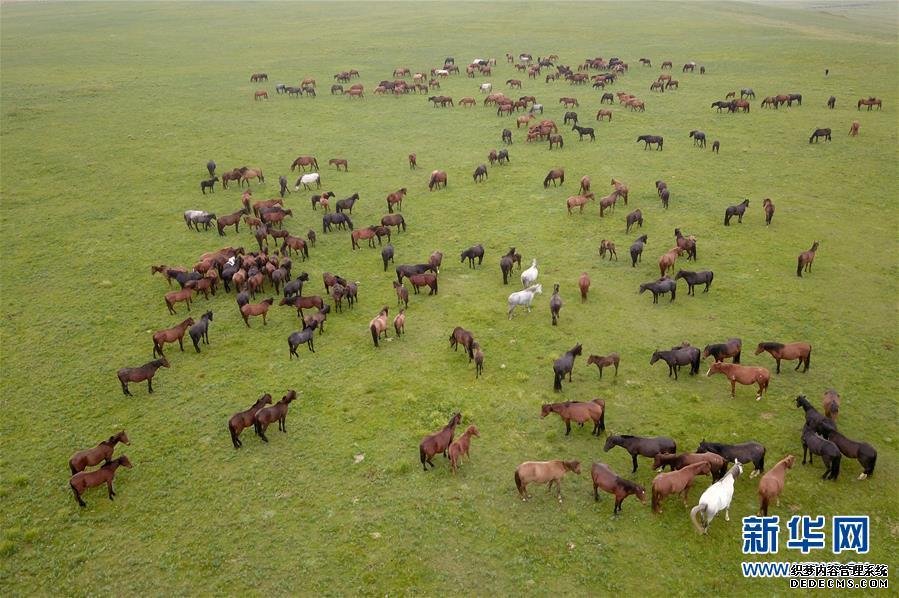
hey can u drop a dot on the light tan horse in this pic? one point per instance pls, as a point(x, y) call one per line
point(459, 447)
point(742, 374)
point(853, 130)
point(676, 482)
point(772, 483)
point(579, 201)
point(378, 325)
point(668, 259)
point(399, 323)
point(543, 472)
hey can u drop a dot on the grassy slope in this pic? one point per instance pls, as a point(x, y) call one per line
point(109, 113)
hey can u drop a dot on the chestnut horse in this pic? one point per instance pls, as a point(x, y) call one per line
point(744, 375)
point(170, 335)
point(277, 412)
point(395, 199)
point(583, 284)
point(772, 483)
point(256, 309)
point(185, 294)
point(601, 361)
point(463, 337)
point(716, 462)
point(805, 260)
point(607, 247)
point(91, 479)
point(557, 174)
point(139, 374)
point(303, 162)
point(579, 201)
point(579, 412)
point(378, 325)
point(437, 442)
point(437, 180)
point(460, 447)
point(676, 482)
point(244, 419)
point(606, 479)
point(338, 162)
point(789, 351)
point(831, 404)
point(668, 259)
point(101, 452)
point(768, 205)
point(543, 472)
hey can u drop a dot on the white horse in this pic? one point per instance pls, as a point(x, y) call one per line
point(529, 276)
point(714, 499)
point(535, 108)
point(442, 73)
point(486, 87)
point(308, 179)
point(525, 297)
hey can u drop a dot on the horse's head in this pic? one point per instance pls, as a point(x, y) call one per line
point(714, 368)
point(802, 401)
point(165, 362)
point(576, 350)
point(265, 399)
point(454, 421)
point(703, 446)
point(121, 437)
point(290, 396)
point(788, 461)
point(546, 409)
point(124, 462)
point(655, 355)
point(574, 466)
point(610, 443)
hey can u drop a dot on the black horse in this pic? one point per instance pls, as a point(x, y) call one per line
point(635, 217)
point(200, 330)
point(660, 287)
point(507, 136)
point(480, 173)
point(564, 365)
point(209, 184)
point(814, 419)
point(502, 156)
point(347, 204)
point(506, 263)
point(641, 445)
point(408, 270)
point(637, 250)
point(570, 116)
point(747, 452)
point(794, 97)
point(651, 140)
point(862, 451)
point(831, 102)
point(471, 253)
point(678, 357)
point(698, 138)
point(813, 444)
point(387, 255)
point(338, 219)
point(295, 287)
point(825, 133)
point(210, 166)
point(737, 211)
point(694, 278)
point(582, 131)
point(720, 105)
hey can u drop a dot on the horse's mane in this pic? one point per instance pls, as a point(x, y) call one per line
point(771, 346)
point(628, 484)
point(625, 436)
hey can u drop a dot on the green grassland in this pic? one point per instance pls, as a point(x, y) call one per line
point(109, 114)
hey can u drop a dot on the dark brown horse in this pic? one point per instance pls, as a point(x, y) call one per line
point(256, 309)
point(716, 462)
point(463, 337)
point(768, 205)
point(557, 174)
point(244, 419)
point(277, 412)
point(170, 335)
point(579, 412)
point(601, 361)
point(805, 260)
point(424, 280)
point(606, 479)
point(437, 180)
point(303, 161)
point(395, 199)
point(438, 442)
point(139, 374)
point(91, 479)
point(721, 351)
point(640, 445)
point(102, 452)
point(789, 351)
point(396, 220)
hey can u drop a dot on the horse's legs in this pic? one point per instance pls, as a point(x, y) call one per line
point(77, 496)
point(733, 389)
point(634, 459)
point(595, 492)
point(150, 384)
point(567, 427)
point(111, 492)
point(778, 365)
point(125, 390)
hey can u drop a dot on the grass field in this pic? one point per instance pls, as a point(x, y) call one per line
point(109, 114)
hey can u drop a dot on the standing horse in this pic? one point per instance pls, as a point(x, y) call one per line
point(698, 138)
point(399, 323)
point(525, 297)
point(91, 479)
point(578, 201)
point(668, 259)
point(772, 483)
point(676, 358)
point(463, 337)
point(378, 325)
point(651, 140)
point(606, 479)
point(541, 472)
point(170, 335)
point(472, 253)
point(602, 361)
point(747, 452)
point(717, 464)
point(744, 375)
point(139, 374)
point(244, 419)
point(306, 335)
point(768, 205)
point(635, 217)
point(564, 365)
point(721, 351)
point(579, 412)
point(636, 250)
point(200, 331)
point(737, 210)
point(555, 304)
point(831, 404)
point(459, 448)
point(813, 444)
point(714, 499)
point(438, 442)
point(805, 260)
point(695, 278)
point(583, 284)
point(660, 287)
point(395, 199)
point(641, 445)
point(256, 309)
point(529, 276)
point(102, 452)
point(862, 451)
point(676, 482)
point(789, 351)
point(276, 412)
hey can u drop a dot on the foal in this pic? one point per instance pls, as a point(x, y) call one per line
point(602, 361)
point(772, 483)
point(460, 447)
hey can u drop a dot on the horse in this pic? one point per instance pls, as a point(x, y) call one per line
point(338, 162)
point(772, 483)
point(768, 205)
point(717, 464)
point(831, 102)
point(529, 276)
point(676, 482)
point(308, 179)
point(721, 351)
point(480, 173)
point(853, 129)
point(737, 105)
point(424, 280)
point(578, 201)
point(362, 233)
point(208, 184)
point(463, 337)
point(506, 262)
point(668, 259)
point(556, 174)
point(139, 374)
point(306, 335)
point(301, 303)
point(698, 138)
point(716, 146)
point(743, 374)
point(339, 220)
point(583, 284)
point(556, 140)
point(260, 95)
point(102, 452)
point(676, 358)
point(437, 179)
point(789, 351)
point(347, 203)
point(805, 260)
point(606, 479)
point(541, 472)
point(438, 442)
point(688, 244)
point(460, 447)
point(83, 480)
point(695, 278)
point(378, 325)
point(303, 161)
point(714, 499)
point(769, 101)
point(276, 412)
point(608, 202)
point(525, 297)
point(170, 335)
point(255, 77)
point(635, 217)
point(640, 445)
point(472, 253)
point(579, 412)
point(555, 304)
point(831, 404)
point(813, 444)
point(651, 140)
point(660, 287)
point(399, 323)
point(747, 452)
point(502, 157)
point(636, 250)
point(584, 131)
point(870, 103)
point(317, 320)
point(737, 210)
point(244, 419)
point(409, 270)
point(413, 161)
point(395, 199)
point(818, 133)
point(194, 218)
point(387, 255)
point(862, 451)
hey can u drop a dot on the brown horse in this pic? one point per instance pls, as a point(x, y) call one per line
point(256, 309)
point(717, 463)
point(584, 284)
point(579, 201)
point(362, 234)
point(378, 325)
point(185, 294)
point(395, 199)
point(604, 113)
point(460, 447)
point(853, 130)
point(463, 337)
point(399, 323)
point(413, 161)
point(277, 412)
point(744, 375)
point(608, 203)
point(668, 259)
point(437, 180)
point(607, 247)
point(338, 162)
point(870, 103)
point(676, 482)
point(438, 442)
point(478, 359)
point(789, 351)
point(543, 472)
point(768, 205)
point(585, 185)
point(772, 483)
point(260, 95)
point(557, 174)
point(170, 335)
point(831, 404)
point(805, 260)
point(91, 479)
point(606, 479)
point(579, 412)
point(721, 351)
point(101, 452)
point(301, 303)
point(424, 280)
point(602, 361)
point(250, 173)
point(139, 374)
point(244, 419)
point(303, 162)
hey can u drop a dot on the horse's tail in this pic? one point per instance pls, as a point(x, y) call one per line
point(764, 504)
point(470, 351)
point(656, 497)
point(374, 334)
point(257, 427)
point(602, 416)
point(737, 357)
point(799, 267)
point(421, 455)
point(700, 508)
point(557, 382)
point(835, 467)
point(233, 432)
point(808, 358)
point(518, 483)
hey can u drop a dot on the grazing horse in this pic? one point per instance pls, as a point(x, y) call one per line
point(688, 244)
point(463, 337)
point(853, 129)
point(424, 280)
point(635, 217)
point(459, 448)
point(862, 451)
point(717, 464)
point(480, 173)
point(737, 210)
point(651, 140)
point(557, 174)
point(583, 284)
point(825, 133)
point(789, 351)
point(668, 259)
point(378, 325)
point(831, 404)
point(747, 452)
point(805, 260)
point(660, 287)
point(732, 348)
point(768, 205)
point(139, 374)
point(303, 161)
point(396, 220)
point(308, 179)
point(260, 95)
point(606, 479)
point(698, 138)
point(716, 146)
point(438, 442)
point(83, 480)
point(813, 444)
point(276, 412)
point(578, 201)
point(676, 358)
point(472, 253)
point(170, 335)
point(585, 185)
point(244, 419)
point(543, 472)
point(555, 304)
point(676, 482)
point(772, 483)
point(641, 445)
point(525, 297)
point(437, 180)
point(695, 278)
point(743, 374)
point(102, 452)
point(338, 162)
point(339, 220)
point(570, 116)
point(387, 255)
point(602, 361)
point(636, 250)
point(831, 102)
point(579, 412)
point(717, 497)
point(870, 103)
